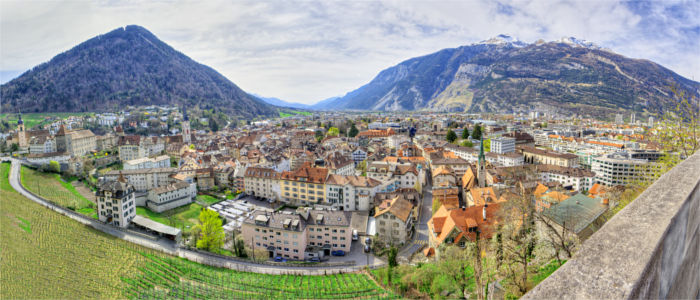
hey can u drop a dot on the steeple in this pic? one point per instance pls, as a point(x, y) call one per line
point(482, 157)
point(20, 122)
point(184, 114)
point(21, 132)
point(481, 166)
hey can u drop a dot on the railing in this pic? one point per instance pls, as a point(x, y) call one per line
point(649, 250)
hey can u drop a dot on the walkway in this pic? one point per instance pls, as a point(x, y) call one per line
point(169, 247)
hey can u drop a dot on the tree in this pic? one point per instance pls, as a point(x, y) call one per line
point(392, 262)
point(476, 134)
point(319, 135)
point(13, 148)
point(487, 145)
point(213, 125)
point(363, 167)
point(519, 238)
point(333, 131)
point(465, 133)
point(211, 236)
point(557, 237)
point(54, 166)
point(679, 128)
point(466, 143)
point(353, 131)
point(451, 136)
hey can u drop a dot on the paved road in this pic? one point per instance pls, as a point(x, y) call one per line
point(171, 248)
point(420, 237)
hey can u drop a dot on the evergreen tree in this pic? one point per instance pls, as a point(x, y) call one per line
point(353, 131)
point(476, 134)
point(465, 133)
point(451, 136)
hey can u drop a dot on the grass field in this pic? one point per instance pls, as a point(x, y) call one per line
point(183, 217)
point(209, 200)
point(59, 258)
point(52, 187)
point(289, 113)
point(33, 119)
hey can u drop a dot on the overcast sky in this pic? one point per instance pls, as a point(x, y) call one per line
point(311, 50)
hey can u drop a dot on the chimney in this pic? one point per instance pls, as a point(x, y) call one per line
point(484, 212)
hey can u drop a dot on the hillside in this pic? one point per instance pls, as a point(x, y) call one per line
point(127, 66)
point(505, 75)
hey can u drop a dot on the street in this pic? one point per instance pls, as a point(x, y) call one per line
point(420, 237)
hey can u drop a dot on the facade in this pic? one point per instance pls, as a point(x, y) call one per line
point(116, 202)
point(170, 196)
point(394, 221)
point(574, 178)
point(304, 186)
point(45, 158)
point(502, 145)
point(358, 156)
point(76, 143)
point(537, 156)
point(458, 226)
point(622, 168)
point(351, 192)
point(21, 134)
point(143, 179)
point(42, 144)
point(262, 182)
point(162, 161)
point(301, 235)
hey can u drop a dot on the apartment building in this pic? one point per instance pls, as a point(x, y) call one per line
point(116, 202)
point(170, 196)
point(262, 182)
point(351, 192)
point(304, 186)
point(298, 235)
point(394, 220)
point(502, 145)
point(143, 179)
point(622, 168)
point(574, 178)
point(162, 161)
point(42, 144)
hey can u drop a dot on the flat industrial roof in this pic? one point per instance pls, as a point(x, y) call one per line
point(155, 226)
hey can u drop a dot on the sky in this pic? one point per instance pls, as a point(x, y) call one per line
point(306, 51)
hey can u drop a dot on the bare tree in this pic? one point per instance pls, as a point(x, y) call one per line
point(519, 238)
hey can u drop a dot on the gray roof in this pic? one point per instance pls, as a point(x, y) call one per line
point(155, 226)
point(576, 212)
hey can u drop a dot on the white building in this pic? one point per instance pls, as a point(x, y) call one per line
point(575, 178)
point(351, 192)
point(262, 182)
point(116, 203)
point(42, 144)
point(502, 145)
point(359, 155)
point(162, 161)
point(171, 196)
point(622, 168)
point(143, 179)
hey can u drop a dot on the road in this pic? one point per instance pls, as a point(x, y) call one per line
point(420, 237)
point(169, 247)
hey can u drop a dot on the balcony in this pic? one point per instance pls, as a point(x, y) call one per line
point(649, 250)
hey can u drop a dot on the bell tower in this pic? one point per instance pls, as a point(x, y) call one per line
point(21, 133)
point(186, 133)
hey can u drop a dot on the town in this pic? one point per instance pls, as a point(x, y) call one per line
point(343, 188)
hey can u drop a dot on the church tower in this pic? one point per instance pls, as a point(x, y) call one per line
point(186, 133)
point(481, 166)
point(21, 133)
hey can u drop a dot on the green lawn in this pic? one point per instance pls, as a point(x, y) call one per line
point(289, 113)
point(546, 270)
point(184, 217)
point(33, 119)
point(209, 200)
point(46, 255)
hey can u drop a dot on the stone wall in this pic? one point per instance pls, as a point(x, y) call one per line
point(649, 250)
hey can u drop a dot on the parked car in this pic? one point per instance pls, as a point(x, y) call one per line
point(368, 241)
point(338, 253)
point(367, 249)
point(354, 235)
point(314, 259)
point(280, 259)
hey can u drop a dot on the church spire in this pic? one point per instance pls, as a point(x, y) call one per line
point(482, 157)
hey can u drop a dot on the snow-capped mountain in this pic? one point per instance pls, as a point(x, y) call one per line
point(504, 39)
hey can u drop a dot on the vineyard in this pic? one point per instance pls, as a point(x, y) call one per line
point(46, 255)
point(52, 187)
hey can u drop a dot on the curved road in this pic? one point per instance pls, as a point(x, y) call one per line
point(169, 247)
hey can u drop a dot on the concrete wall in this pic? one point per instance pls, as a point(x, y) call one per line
point(649, 250)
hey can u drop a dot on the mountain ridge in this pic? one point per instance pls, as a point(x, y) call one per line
point(502, 74)
point(126, 66)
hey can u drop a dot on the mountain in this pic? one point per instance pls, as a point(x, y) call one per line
point(325, 103)
point(279, 102)
point(503, 74)
point(127, 66)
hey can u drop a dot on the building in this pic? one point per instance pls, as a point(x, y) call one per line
point(458, 226)
point(571, 178)
point(21, 133)
point(622, 168)
point(537, 156)
point(162, 161)
point(359, 155)
point(42, 144)
point(502, 145)
point(116, 203)
point(143, 179)
point(339, 164)
point(618, 119)
point(186, 131)
point(579, 214)
point(130, 148)
point(299, 235)
point(262, 182)
point(304, 186)
point(39, 159)
point(351, 192)
point(170, 196)
point(394, 220)
point(76, 142)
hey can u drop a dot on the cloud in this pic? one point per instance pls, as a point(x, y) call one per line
point(310, 50)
